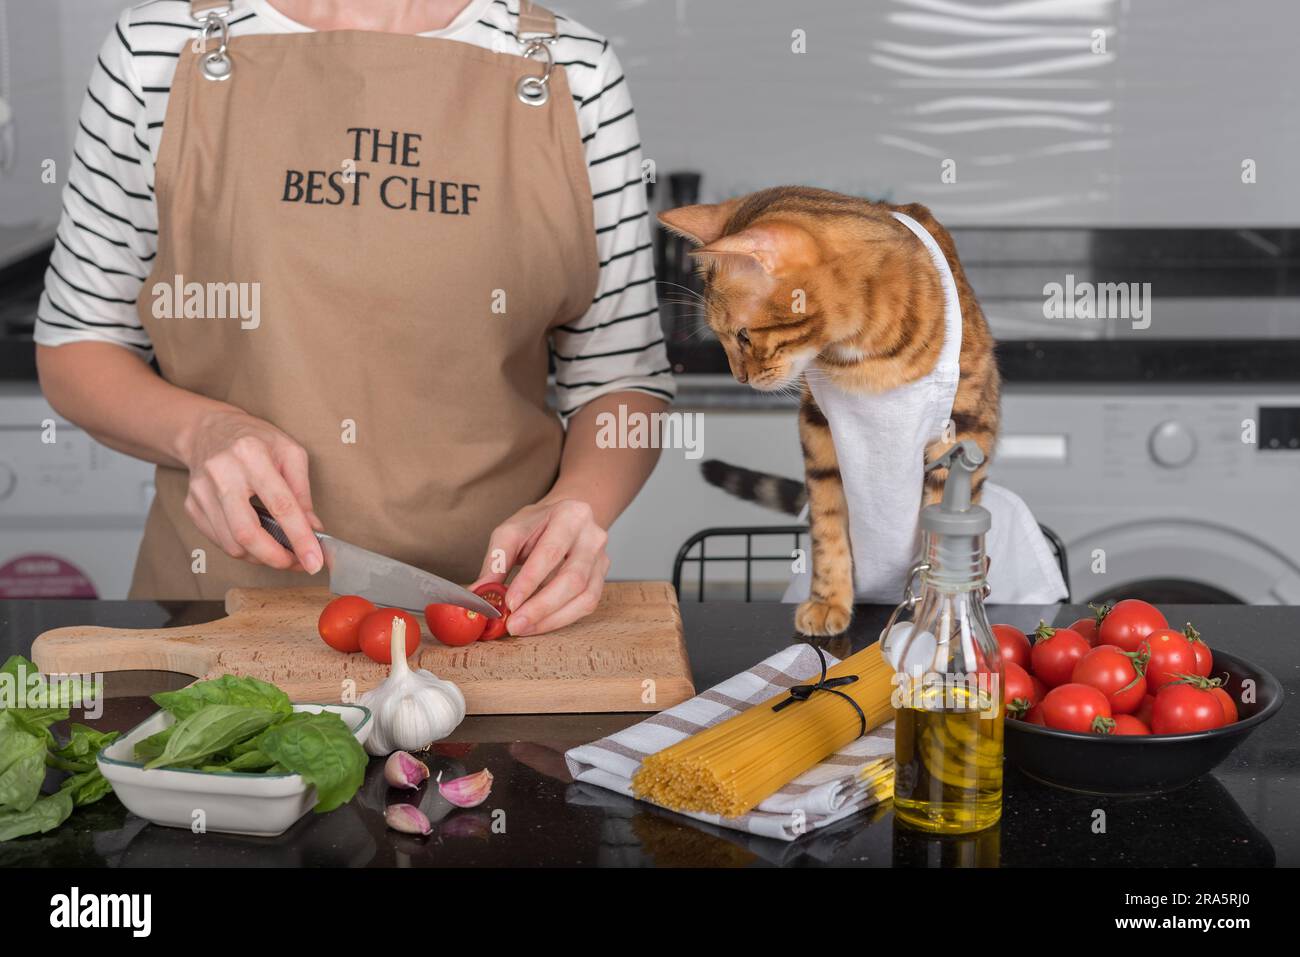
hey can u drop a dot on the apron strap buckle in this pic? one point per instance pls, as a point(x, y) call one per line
point(534, 89)
point(536, 31)
point(215, 64)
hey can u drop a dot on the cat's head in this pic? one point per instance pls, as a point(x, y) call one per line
point(768, 280)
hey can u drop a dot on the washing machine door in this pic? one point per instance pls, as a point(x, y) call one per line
point(74, 562)
point(1180, 561)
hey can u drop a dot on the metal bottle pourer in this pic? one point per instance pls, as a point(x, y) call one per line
point(952, 529)
point(955, 515)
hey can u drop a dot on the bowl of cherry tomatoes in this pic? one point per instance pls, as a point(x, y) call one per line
point(1122, 702)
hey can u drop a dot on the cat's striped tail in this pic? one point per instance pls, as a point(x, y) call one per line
point(771, 491)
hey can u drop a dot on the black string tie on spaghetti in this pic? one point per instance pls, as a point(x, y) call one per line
point(804, 692)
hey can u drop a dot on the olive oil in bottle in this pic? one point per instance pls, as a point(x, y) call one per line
point(948, 682)
point(948, 768)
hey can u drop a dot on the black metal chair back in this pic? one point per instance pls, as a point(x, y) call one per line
point(796, 533)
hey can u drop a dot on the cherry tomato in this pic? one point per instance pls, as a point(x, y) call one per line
point(1088, 627)
point(453, 625)
point(340, 622)
point(1229, 705)
point(1018, 691)
point(1127, 724)
point(1143, 712)
point(494, 595)
point(1128, 622)
point(1170, 658)
point(1035, 716)
point(1117, 674)
point(1013, 645)
point(1055, 653)
point(1187, 706)
point(377, 634)
point(1074, 707)
point(1204, 657)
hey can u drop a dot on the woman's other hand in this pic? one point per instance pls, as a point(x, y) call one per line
point(561, 546)
point(233, 456)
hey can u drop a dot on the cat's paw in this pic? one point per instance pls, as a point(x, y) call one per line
point(822, 618)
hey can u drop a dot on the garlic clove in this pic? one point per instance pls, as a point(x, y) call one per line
point(468, 791)
point(401, 770)
point(407, 818)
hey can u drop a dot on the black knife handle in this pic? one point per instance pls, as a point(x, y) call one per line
point(271, 525)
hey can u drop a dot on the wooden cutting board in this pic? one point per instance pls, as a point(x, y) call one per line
point(628, 655)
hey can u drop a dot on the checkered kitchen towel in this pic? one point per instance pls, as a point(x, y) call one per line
point(845, 783)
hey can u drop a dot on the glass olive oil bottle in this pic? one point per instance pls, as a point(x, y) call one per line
point(948, 682)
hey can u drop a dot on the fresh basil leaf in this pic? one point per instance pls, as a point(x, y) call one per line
point(146, 749)
point(82, 747)
point(243, 747)
point(17, 668)
point(209, 731)
point(37, 721)
point(248, 761)
point(323, 750)
point(22, 765)
point(44, 815)
point(86, 787)
point(228, 689)
point(42, 695)
point(34, 717)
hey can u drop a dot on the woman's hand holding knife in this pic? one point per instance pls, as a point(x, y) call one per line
point(230, 454)
point(233, 456)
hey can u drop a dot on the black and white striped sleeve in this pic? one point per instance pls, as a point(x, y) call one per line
point(618, 344)
point(108, 234)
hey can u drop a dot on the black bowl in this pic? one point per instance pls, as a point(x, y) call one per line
point(1137, 764)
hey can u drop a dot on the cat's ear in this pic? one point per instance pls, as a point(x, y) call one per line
point(700, 224)
point(776, 248)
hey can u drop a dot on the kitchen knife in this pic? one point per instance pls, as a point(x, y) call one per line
point(385, 581)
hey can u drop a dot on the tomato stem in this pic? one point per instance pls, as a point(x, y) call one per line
point(1099, 612)
point(1197, 681)
point(1018, 707)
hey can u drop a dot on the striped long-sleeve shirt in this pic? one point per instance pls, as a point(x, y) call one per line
point(108, 235)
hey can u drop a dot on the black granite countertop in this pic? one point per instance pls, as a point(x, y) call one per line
point(1243, 814)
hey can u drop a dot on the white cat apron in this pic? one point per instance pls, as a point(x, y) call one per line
point(880, 441)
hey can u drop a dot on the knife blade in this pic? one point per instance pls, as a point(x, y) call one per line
point(385, 581)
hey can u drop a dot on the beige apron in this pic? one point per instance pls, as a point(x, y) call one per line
point(414, 228)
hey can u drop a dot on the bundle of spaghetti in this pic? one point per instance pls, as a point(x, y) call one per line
point(730, 768)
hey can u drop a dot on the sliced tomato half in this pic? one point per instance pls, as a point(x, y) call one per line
point(494, 595)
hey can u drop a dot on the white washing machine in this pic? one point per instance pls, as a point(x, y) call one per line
point(71, 511)
point(1160, 491)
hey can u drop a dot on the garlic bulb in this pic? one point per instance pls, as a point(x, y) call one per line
point(411, 709)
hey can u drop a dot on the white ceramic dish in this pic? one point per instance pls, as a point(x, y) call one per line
point(261, 805)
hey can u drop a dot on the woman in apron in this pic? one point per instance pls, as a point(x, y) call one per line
point(352, 236)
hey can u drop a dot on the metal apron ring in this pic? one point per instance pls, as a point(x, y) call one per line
point(215, 65)
point(535, 90)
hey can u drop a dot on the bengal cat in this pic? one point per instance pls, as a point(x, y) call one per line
point(801, 282)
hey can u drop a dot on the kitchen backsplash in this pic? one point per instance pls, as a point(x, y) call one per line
point(1150, 191)
point(47, 49)
point(1060, 112)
